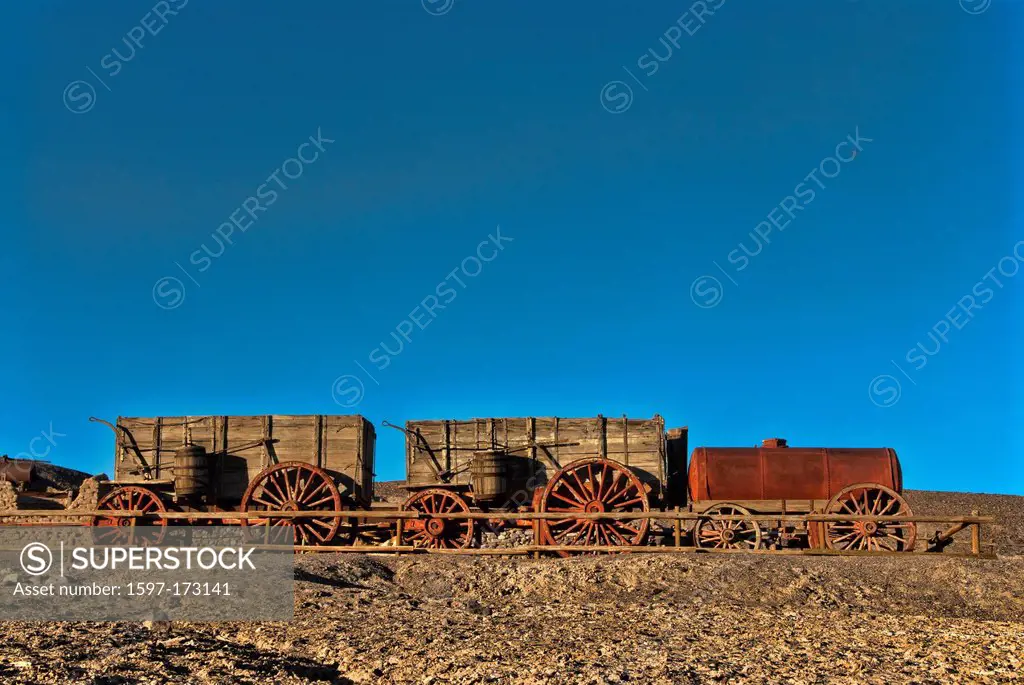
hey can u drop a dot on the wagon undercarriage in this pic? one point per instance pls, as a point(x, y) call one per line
point(604, 510)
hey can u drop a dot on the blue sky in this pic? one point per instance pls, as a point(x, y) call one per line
point(629, 152)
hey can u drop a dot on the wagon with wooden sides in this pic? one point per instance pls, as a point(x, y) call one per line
point(219, 464)
point(540, 464)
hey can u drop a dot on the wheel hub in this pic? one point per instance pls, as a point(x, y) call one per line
point(728, 535)
point(869, 528)
point(595, 507)
point(435, 527)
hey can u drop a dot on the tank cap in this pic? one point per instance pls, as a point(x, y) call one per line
point(774, 442)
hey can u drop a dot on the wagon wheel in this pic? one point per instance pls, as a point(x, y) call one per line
point(295, 486)
point(715, 533)
point(119, 528)
point(594, 485)
point(870, 499)
point(438, 533)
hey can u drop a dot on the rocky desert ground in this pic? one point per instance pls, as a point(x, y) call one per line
point(618, 619)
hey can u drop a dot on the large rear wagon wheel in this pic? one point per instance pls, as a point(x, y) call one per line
point(594, 486)
point(870, 499)
point(438, 533)
point(295, 486)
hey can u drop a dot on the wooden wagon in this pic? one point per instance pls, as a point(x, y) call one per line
point(243, 463)
point(545, 464)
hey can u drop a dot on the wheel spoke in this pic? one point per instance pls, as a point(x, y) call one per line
point(614, 530)
point(888, 506)
point(308, 526)
point(624, 492)
point(565, 484)
point(272, 481)
point(565, 499)
point(579, 522)
point(301, 487)
point(320, 501)
point(288, 483)
point(583, 490)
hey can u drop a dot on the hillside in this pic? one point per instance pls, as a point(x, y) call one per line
point(613, 619)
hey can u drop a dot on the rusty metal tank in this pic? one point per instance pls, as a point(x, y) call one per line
point(776, 471)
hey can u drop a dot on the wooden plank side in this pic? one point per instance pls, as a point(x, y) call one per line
point(638, 443)
point(238, 454)
point(369, 455)
point(125, 463)
point(296, 438)
point(341, 454)
point(420, 470)
point(244, 459)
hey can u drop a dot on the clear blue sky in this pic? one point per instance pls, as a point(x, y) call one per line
point(490, 113)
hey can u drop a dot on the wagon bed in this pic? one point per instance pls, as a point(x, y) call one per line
point(241, 447)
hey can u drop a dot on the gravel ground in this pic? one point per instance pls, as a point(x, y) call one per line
point(663, 619)
point(651, 618)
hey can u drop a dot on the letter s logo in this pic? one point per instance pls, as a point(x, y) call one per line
point(36, 558)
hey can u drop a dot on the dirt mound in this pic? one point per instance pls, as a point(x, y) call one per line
point(56, 477)
point(660, 619)
point(930, 585)
point(390, 491)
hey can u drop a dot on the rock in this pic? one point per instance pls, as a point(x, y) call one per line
point(8, 496)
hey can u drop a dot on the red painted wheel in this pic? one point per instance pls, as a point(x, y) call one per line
point(295, 486)
point(438, 533)
point(594, 485)
point(131, 498)
point(870, 499)
point(716, 533)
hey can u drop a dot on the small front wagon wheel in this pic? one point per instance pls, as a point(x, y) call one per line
point(718, 533)
point(119, 530)
point(434, 532)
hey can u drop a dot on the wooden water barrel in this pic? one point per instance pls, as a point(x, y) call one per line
point(489, 472)
point(191, 471)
